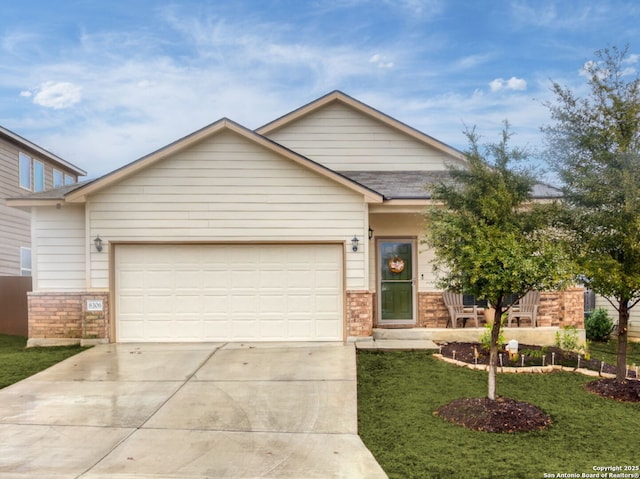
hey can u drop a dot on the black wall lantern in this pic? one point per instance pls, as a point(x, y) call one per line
point(370, 232)
point(354, 243)
point(98, 242)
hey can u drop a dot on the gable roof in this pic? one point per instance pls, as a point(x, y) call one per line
point(340, 97)
point(78, 193)
point(23, 142)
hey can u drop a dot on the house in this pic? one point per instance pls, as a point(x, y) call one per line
point(307, 228)
point(25, 167)
point(634, 317)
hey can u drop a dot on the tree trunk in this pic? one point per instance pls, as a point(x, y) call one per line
point(493, 350)
point(623, 323)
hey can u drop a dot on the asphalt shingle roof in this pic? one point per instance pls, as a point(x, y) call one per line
point(413, 184)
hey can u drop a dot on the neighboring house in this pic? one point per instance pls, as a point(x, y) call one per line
point(307, 228)
point(25, 168)
point(634, 317)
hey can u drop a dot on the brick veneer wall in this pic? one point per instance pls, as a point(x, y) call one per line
point(432, 312)
point(563, 308)
point(64, 315)
point(360, 313)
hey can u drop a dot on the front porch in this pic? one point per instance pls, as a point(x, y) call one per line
point(541, 336)
point(557, 310)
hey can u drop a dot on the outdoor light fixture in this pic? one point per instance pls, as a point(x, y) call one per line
point(98, 242)
point(354, 243)
point(370, 232)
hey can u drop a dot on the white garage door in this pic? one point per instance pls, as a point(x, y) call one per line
point(229, 292)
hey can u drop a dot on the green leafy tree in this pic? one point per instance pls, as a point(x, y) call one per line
point(490, 239)
point(594, 146)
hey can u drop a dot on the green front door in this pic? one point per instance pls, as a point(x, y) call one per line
point(396, 281)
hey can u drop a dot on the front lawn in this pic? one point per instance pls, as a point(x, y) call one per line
point(17, 362)
point(399, 391)
point(607, 352)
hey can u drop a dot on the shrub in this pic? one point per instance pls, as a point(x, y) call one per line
point(485, 339)
point(568, 339)
point(598, 325)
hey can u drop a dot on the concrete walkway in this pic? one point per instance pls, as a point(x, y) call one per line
point(165, 411)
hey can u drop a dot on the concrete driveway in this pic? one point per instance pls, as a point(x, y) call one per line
point(274, 410)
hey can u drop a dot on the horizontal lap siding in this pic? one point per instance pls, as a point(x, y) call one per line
point(345, 140)
point(226, 188)
point(634, 317)
point(15, 229)
point(60, 245)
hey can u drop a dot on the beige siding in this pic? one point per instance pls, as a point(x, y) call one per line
point(14, 234)
point(15, 230)
point(634, 317)
point(59, 249)
point(346, 140)
point(14, 224)
point(227, 188)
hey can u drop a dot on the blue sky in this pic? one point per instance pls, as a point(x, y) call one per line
point(101, 83)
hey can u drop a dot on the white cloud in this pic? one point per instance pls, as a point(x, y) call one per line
point(380, 61)
point(56, 95)
point(513, 83)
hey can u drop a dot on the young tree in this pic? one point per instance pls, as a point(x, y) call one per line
point(594, 146)
point(490, 239)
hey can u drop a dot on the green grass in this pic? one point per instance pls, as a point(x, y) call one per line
point(17, 362)
point(398, 392)
point(607, 352)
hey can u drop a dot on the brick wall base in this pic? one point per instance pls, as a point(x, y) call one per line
point(558, 309)
point(64, 315)
point(360, 313)
point(432, 313)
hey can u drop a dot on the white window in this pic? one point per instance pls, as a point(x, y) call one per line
point(38, 176)
point(25, 171)
point(69, 180)
point(25, 261)
point(58, 178)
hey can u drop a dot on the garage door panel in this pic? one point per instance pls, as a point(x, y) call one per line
point(229, 292)
point(242, 278)
point(326, 278)
point(214, 279)
point(326, 330)
point(298, 305)
point(271, 305)
point(326, 306)
point(132, 329)
point(214, 300)
point(130, 280)
point(243, 304)
point(159, 278)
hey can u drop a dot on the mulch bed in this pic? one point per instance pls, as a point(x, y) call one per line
point(507, 415)
point(501, 415)
point(626, 391)
point(474, 353)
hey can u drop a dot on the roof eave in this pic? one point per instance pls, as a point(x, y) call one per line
point(50, 156)
point(80, 195)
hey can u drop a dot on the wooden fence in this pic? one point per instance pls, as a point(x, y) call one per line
point(14, 314)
